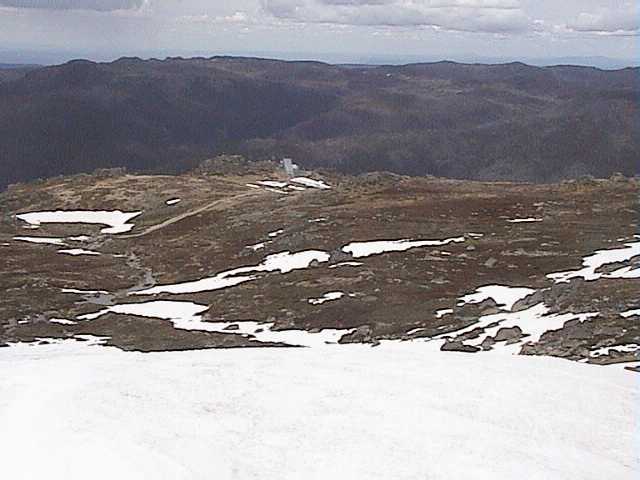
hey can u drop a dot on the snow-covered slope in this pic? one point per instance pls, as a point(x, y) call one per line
point(399, 411)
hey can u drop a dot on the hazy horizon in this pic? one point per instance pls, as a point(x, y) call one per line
point(60, 57)
point(599, 32)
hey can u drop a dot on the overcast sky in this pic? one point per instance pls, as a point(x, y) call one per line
point(365, 28)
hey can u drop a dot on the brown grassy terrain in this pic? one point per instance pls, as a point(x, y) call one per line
point(388, 295)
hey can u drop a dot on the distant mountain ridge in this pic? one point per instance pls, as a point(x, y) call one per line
point(491, 122)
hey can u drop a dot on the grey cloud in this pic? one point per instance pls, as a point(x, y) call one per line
point(356, 2)
point(98, 5)
point(495, 16)
point(606, 22)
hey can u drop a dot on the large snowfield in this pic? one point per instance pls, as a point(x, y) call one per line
point(398, 411)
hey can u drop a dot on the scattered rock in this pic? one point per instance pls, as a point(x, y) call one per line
point(103, 173)
point(488, 307)
point(618, 177)
point(488, 343)
point(528, 301)
point(337, 256)
point(491, 263)
point(369, 299)
point(361, 334)
point(506, 334)
point(578, 331)
point(378, 178)
point(457, 346)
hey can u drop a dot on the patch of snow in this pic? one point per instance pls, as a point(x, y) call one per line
point(40, 342)
point(296, 188)
point(308, 182)
point(630, 348)
point(78, 251)
point(598, 259)
point(284, 262)
point(347, 264)
point(275, 234)
point(318, 220)
point(84, 292)
point(327, 297)
point(476, 235)
point(376, 247)
point(534, 322)
point(220, 281)
point(504, 296)
point(625, 272)
point(281, 192)
point(187, 316)
point(416, 330)
point(62, 321)
point(257, 246)
point(272, 183)
point(80, 238)
point(350, 412)
point(173, 201)
point(92, 340)
point(251, 185)
point(115, 220)
point(42, 240)
point(167, 310)
point(525, 220)
point(443, 312)
point(631, 313)
point(263, 332)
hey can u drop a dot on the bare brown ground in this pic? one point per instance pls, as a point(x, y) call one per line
point(218, 217)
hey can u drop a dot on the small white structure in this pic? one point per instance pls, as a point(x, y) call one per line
point(290, 168)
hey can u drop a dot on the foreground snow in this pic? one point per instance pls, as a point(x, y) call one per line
point(401, 411)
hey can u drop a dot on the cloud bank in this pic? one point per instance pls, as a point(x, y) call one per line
point(97, 5)
point(620, 21)
point(493, 16)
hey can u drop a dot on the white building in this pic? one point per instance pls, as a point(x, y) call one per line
point(290, 168)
